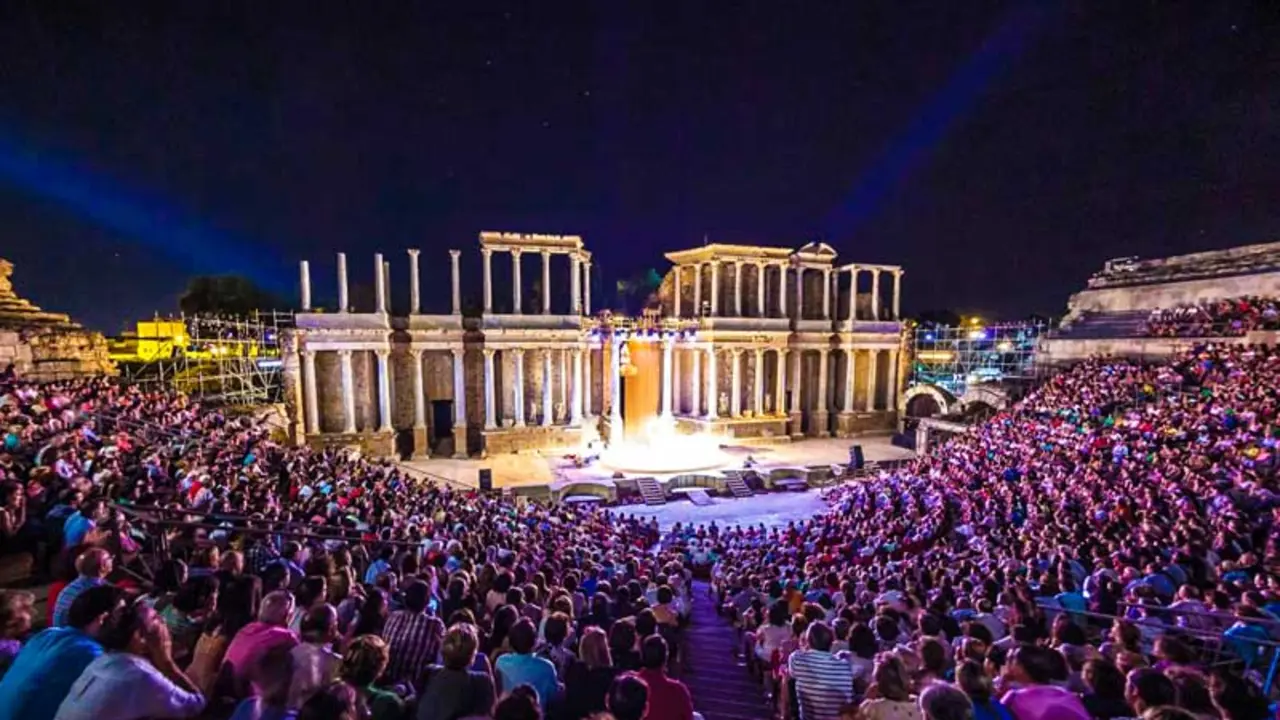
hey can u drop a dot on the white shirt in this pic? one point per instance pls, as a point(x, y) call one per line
point(123, 686)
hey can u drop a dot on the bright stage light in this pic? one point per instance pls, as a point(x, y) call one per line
point(658, 449)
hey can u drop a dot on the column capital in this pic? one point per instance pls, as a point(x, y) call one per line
point(416, 353)
point(309, 353)
point(516, 252)
point(899, 272)
point(735, 351)
point(458, 353)
point(488, 352)
point(739, 263)
point(414, 252)
point(458, 253)
point(546, 254)
point(487, 252)
point(382, 353)
point(344, 353)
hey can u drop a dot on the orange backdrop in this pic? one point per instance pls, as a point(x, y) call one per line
point(644, 389)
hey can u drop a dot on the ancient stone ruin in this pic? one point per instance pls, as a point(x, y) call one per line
point(45, 345)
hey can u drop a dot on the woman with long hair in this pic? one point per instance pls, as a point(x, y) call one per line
point(237, 606)
point(889, 697)
point(588, 678)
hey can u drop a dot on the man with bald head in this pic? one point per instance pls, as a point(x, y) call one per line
point(93, 566)
point(269, 631)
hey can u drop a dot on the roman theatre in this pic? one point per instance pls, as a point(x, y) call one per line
point(762, 351)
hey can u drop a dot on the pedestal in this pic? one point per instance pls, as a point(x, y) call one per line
point(421, 448)
point(797, 427)
point(460, 443)
point(822, 424)
point(844, 424)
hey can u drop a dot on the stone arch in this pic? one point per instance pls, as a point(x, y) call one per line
point(992, 395)
point(945, 401)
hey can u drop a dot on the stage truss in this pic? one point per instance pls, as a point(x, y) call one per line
point(229, 360)
point(955, 358)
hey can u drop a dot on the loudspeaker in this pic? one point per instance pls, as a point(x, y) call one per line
point(486, 480)
point(856, 459)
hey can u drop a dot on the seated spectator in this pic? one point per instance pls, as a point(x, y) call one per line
point(15, 623)
point(588, 678)
point(455, 691)
point(53, 660)
point(254, 639)
point(272, 673)
point(92, 567)
point(364, 662)
point(136, 678)
point(1031, 670)
point(628, 698)
point(974, 681)
point(1148, 688)
point(522, 667)
point(315, 664)
point(823, 682)
point(1105, 691)
point(413, 636)
point(889, 697)
point(338, 701)
point(668, 698)
point(941, 701)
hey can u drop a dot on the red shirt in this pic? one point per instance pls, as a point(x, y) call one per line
point(668, 699)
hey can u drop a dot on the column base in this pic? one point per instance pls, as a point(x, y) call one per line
point(844, 424)
point(797, 426)
point(421, 449)
point(822, 424)
point(460, 443)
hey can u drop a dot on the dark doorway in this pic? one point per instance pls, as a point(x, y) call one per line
point(441, 419)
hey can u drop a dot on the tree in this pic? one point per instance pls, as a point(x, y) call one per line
point(224, 294)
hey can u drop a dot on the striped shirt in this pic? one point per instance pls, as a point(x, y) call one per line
point(62, 607)
point(824, 683)
point(414, 640)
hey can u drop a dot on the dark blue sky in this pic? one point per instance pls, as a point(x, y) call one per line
point(999, 154)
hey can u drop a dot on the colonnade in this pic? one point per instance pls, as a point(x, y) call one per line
point(382, 283)
point(579, 279)
point(575, 386)
point(830, 279)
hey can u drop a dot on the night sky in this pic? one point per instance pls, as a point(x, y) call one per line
point(999, 151)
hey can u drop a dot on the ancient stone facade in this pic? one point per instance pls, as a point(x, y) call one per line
point(45, 345)
point(757, 342)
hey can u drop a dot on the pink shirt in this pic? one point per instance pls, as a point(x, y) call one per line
point(251, 643)
point(1044, 702)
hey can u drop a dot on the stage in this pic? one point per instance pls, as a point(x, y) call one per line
point(558, 469)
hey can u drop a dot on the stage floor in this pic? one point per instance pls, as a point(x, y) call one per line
point(554, 468)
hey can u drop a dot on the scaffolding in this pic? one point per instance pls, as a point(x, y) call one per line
point(223, 359)
point(957, 357)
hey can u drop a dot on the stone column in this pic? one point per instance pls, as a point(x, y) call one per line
point(677, 382)
point(875, 294)
point(853, 293)
point(564, 385)
point(715, 288)
point(487, 254)
point(799, 293)
point(380, 283)
point(697, 290)
point(871, 380)
point(419, 391)
point(546, 282)
point(586, 382)
point(782, 290)
point(735, 374)
point(575, 395)
point(415, 290)
point(668, 373)
point(575, 285)
point(897, 294)
point(760, 289)
point(348, 393)
point(796, 410)
point(456, 272)
point(587, 290)
point(675, 299)
point(516, 290)
point(309, 391)
point(737, 288)
point(459, 404)
point(713, 398)
point(490, 395)
point(780, 384)
point(892, 381)
point(304, 280)
point(695, 384)
point(384, 390)
point(826, 293)
point(548, 410)
point(822, 413)
point(850, 373)
point(517, 386)
point(615, 392)
point(757, 398)
point(344, 300)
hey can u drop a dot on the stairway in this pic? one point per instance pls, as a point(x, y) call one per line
point(1119, 324)
point(737, 486)
point(718, 682)
point(651, 491)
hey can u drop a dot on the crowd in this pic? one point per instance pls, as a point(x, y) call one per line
point(204, 569)
point(1103, 549)
point(1233, 317)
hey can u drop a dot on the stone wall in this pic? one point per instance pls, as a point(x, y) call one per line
point(1168, 294)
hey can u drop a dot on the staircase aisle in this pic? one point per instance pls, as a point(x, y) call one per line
point(720, 685)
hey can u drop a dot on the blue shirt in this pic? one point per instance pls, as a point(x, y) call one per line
point(43, 673)
point(76, 527)
point(69, 594)
point(539, 673)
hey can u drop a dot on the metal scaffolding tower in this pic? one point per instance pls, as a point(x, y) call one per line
point(233, 360)
point(955, 357)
